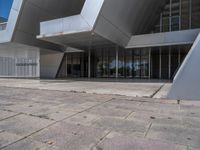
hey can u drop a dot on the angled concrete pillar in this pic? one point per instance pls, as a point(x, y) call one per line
point(49, 64)
point(186, 84)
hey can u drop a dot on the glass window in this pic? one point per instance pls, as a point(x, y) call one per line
point(185, 14)
point(195, 14)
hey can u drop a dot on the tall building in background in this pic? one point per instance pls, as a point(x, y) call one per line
point(129, 39)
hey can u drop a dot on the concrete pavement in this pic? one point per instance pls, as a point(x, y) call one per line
point(32, 118)
point(135, 88)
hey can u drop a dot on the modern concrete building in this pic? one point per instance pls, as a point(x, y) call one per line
point(129, 39)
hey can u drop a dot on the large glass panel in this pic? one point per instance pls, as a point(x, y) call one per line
point(195, 14)
point(175, 15)
point(121, 63)
point(112, 62)
point(105, 63)
point(129, 64)
point(165, 63)
point(185, 14)
point(155, 60)
point(98, 62)
point(144, 63)
point(166, 18)
point(63, 68)
point(137, 68)
point(174, 60)
point(69, 65)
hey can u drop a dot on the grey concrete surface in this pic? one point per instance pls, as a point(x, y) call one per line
point(41, 119)
point(135, 88)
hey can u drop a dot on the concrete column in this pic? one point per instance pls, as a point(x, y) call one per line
point(89, 63)
point(117, 61)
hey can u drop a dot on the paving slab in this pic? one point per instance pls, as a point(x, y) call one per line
point(176, 134)
point(108, 110)
point(23, 125)
point(130, 142)
point(69, 136)
point(6, 114)
point(7, 138)
point(153, 117)
point(125, 126)
point(85, 118)
point(27, 144)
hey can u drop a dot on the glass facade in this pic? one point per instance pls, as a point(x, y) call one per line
point(112, 62)
point(179, 15)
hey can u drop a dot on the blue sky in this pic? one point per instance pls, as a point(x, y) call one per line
point(5, 6)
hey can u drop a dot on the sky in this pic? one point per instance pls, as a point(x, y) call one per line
point(5, 6)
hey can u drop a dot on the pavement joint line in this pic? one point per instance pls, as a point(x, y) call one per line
point(129, 114)
point(148, 129)
point(157, 90)
point(53, 124)
point(11, 117)
point(101, 139)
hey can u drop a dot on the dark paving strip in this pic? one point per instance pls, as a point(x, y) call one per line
point(55, 123)
point(148, 130)
point(129, 114)
point(95, 147)
point(157, 91)
point(10, 116)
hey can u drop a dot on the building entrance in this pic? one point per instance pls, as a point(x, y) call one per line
point(146, 63)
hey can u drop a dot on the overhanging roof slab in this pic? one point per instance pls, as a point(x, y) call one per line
point(82, 23)
point(163, 39)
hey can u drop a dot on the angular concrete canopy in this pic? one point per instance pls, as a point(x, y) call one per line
point(24, 20)
point(103, 21)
